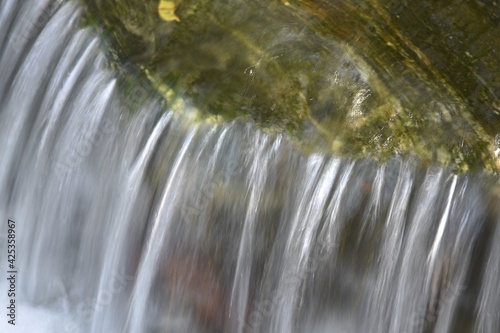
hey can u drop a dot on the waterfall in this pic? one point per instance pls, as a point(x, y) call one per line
point(150, 221)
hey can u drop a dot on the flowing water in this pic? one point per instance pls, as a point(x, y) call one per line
point(148, 221)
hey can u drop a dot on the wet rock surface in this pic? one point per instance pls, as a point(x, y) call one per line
point(363, 78)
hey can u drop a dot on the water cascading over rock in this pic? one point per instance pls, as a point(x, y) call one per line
point(146, 219)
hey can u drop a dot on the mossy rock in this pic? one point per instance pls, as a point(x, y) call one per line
point(363, 78)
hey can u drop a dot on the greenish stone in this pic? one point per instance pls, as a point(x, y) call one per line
point(360, 77)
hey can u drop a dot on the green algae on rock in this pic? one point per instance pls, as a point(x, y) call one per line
point(364, 78)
